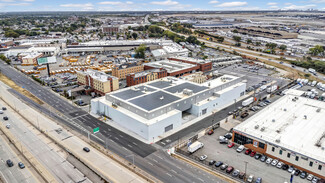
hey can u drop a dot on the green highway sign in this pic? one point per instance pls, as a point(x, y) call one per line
point(42, 60)
point(95, 130)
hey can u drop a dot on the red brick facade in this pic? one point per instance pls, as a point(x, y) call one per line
point(131, 79)
point(178, 73)
point(203, 66)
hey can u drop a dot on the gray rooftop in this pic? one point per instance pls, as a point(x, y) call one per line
point(190, 86)
point(160, 84)
point(133, 92)
point(154, 100)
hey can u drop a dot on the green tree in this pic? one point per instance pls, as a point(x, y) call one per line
point(317, 50)
point(283, 47)
point(249, 41)
point(258, 43)
point(140, 51)
point(220, 39)
point(235, 31)
point(237, 38)
point(134, 35)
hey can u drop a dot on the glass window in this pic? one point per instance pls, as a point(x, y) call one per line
point(288, 155)
point(319, 167)
point(280, 152)
point(297, 158)
point(261, 145)
point(273, 149)
point(311, 163)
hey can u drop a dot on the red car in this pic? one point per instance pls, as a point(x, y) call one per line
point(210, 132)
point(253, 153)
point(229, 169)
point(231, 145)
point(248, 151)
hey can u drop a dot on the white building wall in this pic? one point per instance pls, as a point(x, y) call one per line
point(302, 162)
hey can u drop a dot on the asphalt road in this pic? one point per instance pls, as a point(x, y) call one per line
point(147, 157)
point(12, 174)
point(62, 170)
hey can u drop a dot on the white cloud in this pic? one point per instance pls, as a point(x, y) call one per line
point(318, 1)
point(272, 4)
point(18, 4)
point(232, 4)
point(7, 1)
point(87, 6)
point(295, 7)
point(28, 0)
point(287, 4)
point(213, 2)
point(274, 7)
point(129, 2)
point(165, 3)
point(110, 3)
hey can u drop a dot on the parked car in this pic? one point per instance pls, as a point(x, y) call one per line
point(315, 180)
point(21, 165)
point(1, 111)
point(291, 168)
point(248, 151)
point(250, 178)
point(303, 175)
point(8, 126)
point(244, 115)
point(5, 118)
point(203, 157)
point(269, 160)
point(10, 163)
point(219, 163)
point(253, 153)
point(212, 162)
point(86, 149)
point(231, 145)
point(297, 172)
point(310, 177)
point(263, 158)
point(210, 132)
point(241, 175)
point(240, 148)
point(279, 165)
point(228, 135)
point(229, 169)
point(235, 173)
point(258, 156)
point(285, 167)
point(224, 166)
point(4, 108)
point(274, 162)
point(258, 180)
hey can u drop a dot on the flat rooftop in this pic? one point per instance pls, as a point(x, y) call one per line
point(191, 59)
point(170, 66)
point(293, 122)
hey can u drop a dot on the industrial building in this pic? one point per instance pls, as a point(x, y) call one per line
point(150, 110)
point(174, 68)
point(110, 29)
point(197, 77)
point(122, 70)
point(100, 82)
point(170, 50)
point(205, 65)
point(30, 58)
point(262, 32)
point(145, 76)
point(292, 129)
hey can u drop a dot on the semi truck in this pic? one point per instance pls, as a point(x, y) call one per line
point(248, 101)
point(271, 88)
point(195, 146)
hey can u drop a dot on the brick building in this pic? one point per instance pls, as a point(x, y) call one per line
point(121, 71)
point(100, 82)
point(110, 29)
point(174, 68)
point(145, 76)
point(204, 65)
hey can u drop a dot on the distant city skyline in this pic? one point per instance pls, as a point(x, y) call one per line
point(157, 5)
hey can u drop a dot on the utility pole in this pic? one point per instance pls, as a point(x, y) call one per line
point(131, 155)
point(245, 168)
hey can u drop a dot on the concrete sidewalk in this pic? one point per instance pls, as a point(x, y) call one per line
point(94, 159)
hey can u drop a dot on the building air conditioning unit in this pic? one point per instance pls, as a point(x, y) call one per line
point(318, 110)
point(278, 140)
point(256, 126)
point(273, 120)
point(262, 129)
point(284, 109)
point(187, 92)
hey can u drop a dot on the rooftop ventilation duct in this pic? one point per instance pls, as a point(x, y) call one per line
point(256, 126)
point(273, 120)
point(278, 140)
point(262, 129)
point(318, 110)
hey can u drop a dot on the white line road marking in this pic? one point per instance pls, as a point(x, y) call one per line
point(200, 179)
point(125, 148)
point(173, 171)
point(159, 157)
point(121, 136)
point(169, 174)
point(179, 167)
point(108, 129)
point(129, 145)
point(3, 176)
point(116, 138)
point(150, 163)
point(155, 160)
point(134, 143)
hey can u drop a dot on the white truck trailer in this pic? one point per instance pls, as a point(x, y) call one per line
point(195, 146)
point(248, 101)
point(271, 88)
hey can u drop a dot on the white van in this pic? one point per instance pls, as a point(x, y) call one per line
point(1, 111)
point(240, 148)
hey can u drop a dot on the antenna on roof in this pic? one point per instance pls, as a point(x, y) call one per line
point(161, 98)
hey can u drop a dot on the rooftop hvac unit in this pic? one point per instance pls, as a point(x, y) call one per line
point(114, 104)
point(273, 120)
point(278, 140)
point(284, 109)
point(256, 126)
point(318, 110)
point(305, 116)
point(262, 129)
point(323, 148)
point(187, 92)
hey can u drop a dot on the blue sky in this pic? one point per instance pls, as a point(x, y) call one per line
point(147, 5)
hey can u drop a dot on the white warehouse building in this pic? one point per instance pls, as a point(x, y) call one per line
point(151, 109)
point(291, 129)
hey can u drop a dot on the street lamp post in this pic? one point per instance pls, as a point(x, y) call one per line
point(245, 168)
point(131, 155)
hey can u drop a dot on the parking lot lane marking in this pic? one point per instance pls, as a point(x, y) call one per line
point(173, 171)
point(179, 167)
point(200, 179)
point(150, 163)
point(129, 145)
point(159, 157)
point(3, 176)
point(155, 160)
point(169, 174)
point(125, 148)
point(116, 138)
point(134, 143)
point(121, 136)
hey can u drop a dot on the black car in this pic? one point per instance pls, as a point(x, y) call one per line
point(297, 172)
point(21, 165)
point(263, 158)
point(219, 163)
point(4, 108)
point(212, 162)
point(223, 141)
point(285, 167)
point(5, 118)
point(258, 156)
point(228, 135)
point(303, 175)
point(241, 175)
point(86, 149)
point(10, 163)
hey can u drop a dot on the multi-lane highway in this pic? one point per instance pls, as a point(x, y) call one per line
point(62, 170)
point(147, 157)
